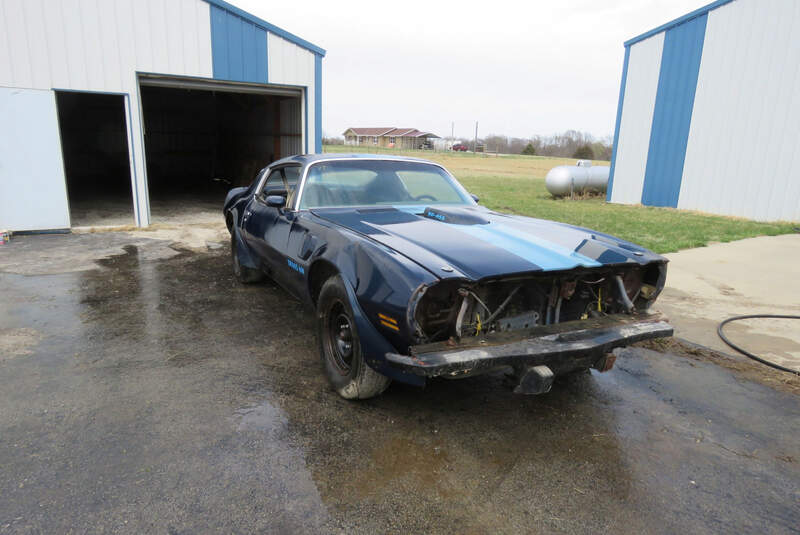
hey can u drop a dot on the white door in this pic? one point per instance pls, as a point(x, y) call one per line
point(33, 192)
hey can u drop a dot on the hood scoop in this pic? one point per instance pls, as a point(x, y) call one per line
point(454, 216)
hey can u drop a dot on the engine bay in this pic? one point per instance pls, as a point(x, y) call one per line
point(459, 309)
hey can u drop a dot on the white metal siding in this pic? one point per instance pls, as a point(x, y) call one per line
point(33, 192)
point(639, 100)
point(743, 142)
point(88, 45)
point(293, 65)
point(91, 45)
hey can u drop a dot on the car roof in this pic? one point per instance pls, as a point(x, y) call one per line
point(305, 159)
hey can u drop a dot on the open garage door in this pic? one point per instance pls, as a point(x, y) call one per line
point(203, 138)
point(94, 144)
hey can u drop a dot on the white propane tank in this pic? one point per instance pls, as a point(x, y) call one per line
point(564, 179)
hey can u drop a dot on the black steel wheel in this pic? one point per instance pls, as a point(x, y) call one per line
point(339, 338)
point(340, 347)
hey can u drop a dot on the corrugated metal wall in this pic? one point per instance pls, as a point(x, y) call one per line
point(293, 65)
point(98, 46)
point(742, 156)
point(91, 45)
point(724, 134)
point(238, 48)
point(639, 100)
point(680, 63)
point(292, 134)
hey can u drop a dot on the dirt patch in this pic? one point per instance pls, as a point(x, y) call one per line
point(17, 342)
point(193, 236)
point(743, 367)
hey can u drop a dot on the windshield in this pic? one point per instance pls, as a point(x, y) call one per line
point(379, 182)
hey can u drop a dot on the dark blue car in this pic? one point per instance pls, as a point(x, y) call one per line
point(410, 278)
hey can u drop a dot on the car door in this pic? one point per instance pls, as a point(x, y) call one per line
point(267, 227)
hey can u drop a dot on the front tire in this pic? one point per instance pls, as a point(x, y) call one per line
point(244, 274)
point(340, 346)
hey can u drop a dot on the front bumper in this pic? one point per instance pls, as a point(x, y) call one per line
point(562, 347)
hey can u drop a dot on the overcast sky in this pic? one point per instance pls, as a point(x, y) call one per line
point(519, 68)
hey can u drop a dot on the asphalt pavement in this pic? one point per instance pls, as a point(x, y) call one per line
point(143, 390)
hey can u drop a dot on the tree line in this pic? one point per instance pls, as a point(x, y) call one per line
point(570, 144)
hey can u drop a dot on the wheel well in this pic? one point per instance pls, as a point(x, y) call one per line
point(229, 221)
point(320, 271)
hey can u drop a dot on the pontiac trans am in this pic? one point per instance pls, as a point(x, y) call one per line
point(411, 278)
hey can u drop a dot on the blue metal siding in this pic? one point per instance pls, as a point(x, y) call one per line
point(260, 23)
point(318, 104)
point(219, 44)
point(677, 82)
point(680, 20)
point(619, 120)
point(238, 48)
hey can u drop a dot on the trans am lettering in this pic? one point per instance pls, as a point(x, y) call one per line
point(295, 266)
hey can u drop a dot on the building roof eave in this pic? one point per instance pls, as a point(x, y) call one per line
point(676, 22)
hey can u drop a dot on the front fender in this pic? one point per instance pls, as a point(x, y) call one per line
point(374, 346)
point(382, 280)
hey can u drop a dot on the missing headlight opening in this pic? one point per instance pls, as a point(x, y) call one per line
point(460, 309)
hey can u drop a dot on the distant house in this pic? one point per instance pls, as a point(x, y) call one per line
point(397, 138)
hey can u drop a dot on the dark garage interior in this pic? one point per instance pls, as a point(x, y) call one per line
point(96, 160)
point(200, 143)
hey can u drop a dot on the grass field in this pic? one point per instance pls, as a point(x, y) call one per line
point(515, 184)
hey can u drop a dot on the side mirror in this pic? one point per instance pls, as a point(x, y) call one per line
point(275, 201)
point(474, 197)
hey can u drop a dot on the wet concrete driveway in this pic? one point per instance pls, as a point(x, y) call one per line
point(154, 394)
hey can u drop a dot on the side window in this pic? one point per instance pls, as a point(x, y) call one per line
point(274, 183)
point(292, 175)
point(282, 181)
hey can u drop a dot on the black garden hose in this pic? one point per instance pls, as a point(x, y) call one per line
point(747, 353)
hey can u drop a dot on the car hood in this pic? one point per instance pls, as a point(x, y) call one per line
point(474, 242)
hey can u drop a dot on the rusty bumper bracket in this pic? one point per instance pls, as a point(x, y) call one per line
point(563, 346)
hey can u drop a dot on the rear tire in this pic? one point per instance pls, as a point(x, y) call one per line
point(340, 346)
point(244, 274)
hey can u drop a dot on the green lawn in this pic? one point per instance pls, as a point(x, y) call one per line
point(515, 184)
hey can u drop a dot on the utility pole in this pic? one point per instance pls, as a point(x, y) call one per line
point(475, 144)
point(452, 130)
